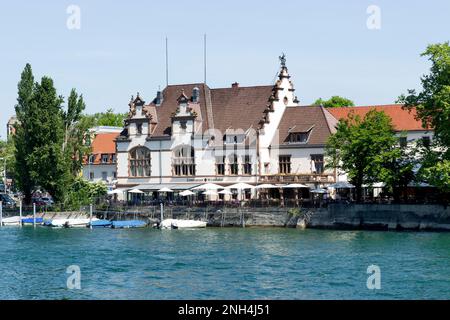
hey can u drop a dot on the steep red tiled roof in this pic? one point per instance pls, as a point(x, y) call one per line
point(236, 108)
point(104, 143)
point(239, 107)
point(301, 119)
point(402, 119)
point(170, 105)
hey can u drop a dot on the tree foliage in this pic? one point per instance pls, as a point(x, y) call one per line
point(23, 145)
point(76, 129)
point(363, 148)
point(48, 142)
point(433, 108)
point(334, 101)
point(108, 118)
point(83, 192)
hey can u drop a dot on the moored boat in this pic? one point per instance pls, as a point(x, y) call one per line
point(78, 223)
point(126, 224)
point(11, 221)
point(100, 224)
point(182, 224)
point(29, 221)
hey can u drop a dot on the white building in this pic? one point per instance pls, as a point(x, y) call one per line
point(190, 134)
point(101, 164)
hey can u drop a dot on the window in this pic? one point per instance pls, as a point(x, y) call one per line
point(220, 166)
point(285, 164)
point(233, 139)
point(247, 166)
point(140, 162)
point(91, 159)
point(105, 158)
point(233, 160)
point(115, 175)
point(139, 128)
point(298, 137)
point(403, 142)
point(318, 164)
point(114, 158)
point(426, 141)
point(104, 176)
point(91, 176)
point(184, 161)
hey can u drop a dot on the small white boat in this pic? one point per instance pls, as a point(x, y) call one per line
point(70, 223)
point(78, 223)
point(181, 224)
point(12, 221)
point(57, 223)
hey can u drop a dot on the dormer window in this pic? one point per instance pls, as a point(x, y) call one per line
point(234, 139)
point(105, 158)
point(298, 137)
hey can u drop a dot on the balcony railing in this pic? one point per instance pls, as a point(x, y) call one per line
point(300, 178)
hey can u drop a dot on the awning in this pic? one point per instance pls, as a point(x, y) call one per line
point(172, 186)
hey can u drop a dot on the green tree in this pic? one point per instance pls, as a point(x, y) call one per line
point(334, 101)
point(23, 139)
point(48, 165)
point(108, 118)
point(7, 151)
point(83, 192)
point(76, 129)
point(433, 108)
point(363, 148)
point(399, 170)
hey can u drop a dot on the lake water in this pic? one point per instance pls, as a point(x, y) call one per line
point(263, 263)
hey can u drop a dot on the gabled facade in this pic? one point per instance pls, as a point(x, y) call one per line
point(190, 134)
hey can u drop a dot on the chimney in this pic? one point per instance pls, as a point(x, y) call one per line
point(159, 98)
point(235, 85)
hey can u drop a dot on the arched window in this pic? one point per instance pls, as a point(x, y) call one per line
point(140, 162)
point(184, 161)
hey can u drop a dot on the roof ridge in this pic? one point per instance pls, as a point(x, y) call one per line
point(244, 87)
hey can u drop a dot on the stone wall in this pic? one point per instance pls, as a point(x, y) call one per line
point(382, 217)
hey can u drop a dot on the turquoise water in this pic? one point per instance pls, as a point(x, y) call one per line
point(222, 264)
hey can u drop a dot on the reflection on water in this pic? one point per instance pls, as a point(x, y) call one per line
point(249, 263)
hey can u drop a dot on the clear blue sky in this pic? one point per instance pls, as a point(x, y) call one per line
point(119, 49)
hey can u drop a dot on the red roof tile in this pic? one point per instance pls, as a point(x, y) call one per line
point(314, 119)
point(402, 119)
point(104, 143)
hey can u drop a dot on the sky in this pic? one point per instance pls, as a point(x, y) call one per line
point(119, 47)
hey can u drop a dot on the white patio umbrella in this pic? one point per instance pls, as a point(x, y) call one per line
point(295, 186)
point(117, 191)
point(266, 186)
point(135, 191)
point(226, 192)
point(241, 186)
point(165, 190)
point(210, 193)
point(341, 185)
point(318, 191)
point(186, 193)
point(208, 186)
